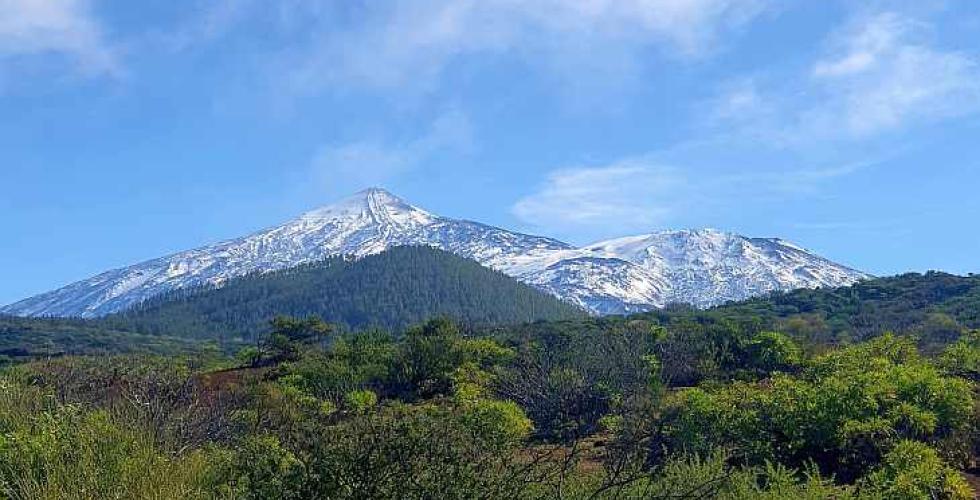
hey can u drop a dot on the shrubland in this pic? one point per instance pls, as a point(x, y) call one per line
point(630, 408)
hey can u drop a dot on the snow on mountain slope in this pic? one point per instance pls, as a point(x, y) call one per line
point(703, 267)
point(601, 285)
point(707, 267)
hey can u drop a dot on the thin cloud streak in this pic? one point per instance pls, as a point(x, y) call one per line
point(626, 194)
point(366, 163)
point(410, 45)
point(56, 27)
point(640, 194)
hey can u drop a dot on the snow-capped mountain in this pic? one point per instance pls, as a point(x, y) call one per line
point(702, 267)
point(706, 267)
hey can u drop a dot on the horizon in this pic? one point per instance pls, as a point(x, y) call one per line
point(138, 131)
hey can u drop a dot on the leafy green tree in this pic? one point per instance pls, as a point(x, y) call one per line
point(567, 377)
point(937, 330)
point(260, 468)
point(353, 362)
point(430, 355)
point(289, 334)
point(249, 355)
point(773, 351)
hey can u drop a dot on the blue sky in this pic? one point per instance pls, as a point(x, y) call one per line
point(134, 129)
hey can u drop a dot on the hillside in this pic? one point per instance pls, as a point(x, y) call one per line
point(391, 290)
point(22, 338)
point(934, 308)
point(934, 304)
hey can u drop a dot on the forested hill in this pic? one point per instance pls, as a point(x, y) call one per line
point(391, 290)
point(934, 306)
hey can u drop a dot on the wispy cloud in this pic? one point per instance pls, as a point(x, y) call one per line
point(630, 193)
point(366, 163)
point(205, 22)
point(885, 77)
point(879, 74)
point(641, 194)
point(56, 27)
point(412, 43)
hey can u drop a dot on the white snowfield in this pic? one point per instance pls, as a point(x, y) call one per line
point(699, 267)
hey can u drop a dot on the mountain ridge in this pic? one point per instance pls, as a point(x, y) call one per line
point(701, 267)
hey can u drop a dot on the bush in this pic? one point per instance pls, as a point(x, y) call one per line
point(962, 358)
point(261, 468)
point(49, 451)
point(772, 351)
point(911, 471)
point(844, 412)
point(713, 476)
point(361, 361)
point(414, 451)
point(567, 381)
point(360, 401)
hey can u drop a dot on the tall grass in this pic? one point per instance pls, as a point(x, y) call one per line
point(59, 451)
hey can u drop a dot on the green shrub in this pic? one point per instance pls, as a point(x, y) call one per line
point(772, 351)
point(360, 401)
point(962, 358)
point(65, 452)
point(714, 477)
point(261, 468)
point(844, 412)
point(911, 471)
point(415, 451)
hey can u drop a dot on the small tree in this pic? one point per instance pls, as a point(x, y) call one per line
point(288, 334)
point(430, 356)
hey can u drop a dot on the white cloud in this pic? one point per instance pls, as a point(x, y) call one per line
point(60, 27)
point(883, 78)
point(411, 43)
point(627, 194)
point(879, 74)
point(368, 163)
point(863, 45)
point(643, 193)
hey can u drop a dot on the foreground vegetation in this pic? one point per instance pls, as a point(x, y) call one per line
point(629, 408)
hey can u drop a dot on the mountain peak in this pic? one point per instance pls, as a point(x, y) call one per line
point(374, 189)
point(373, 203)
point(376, 192)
